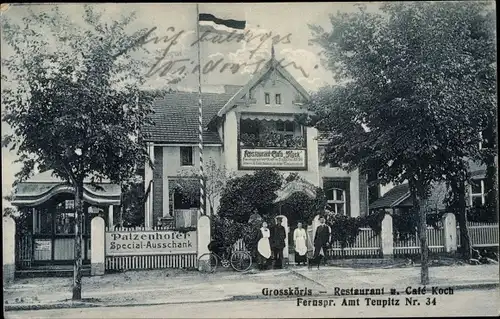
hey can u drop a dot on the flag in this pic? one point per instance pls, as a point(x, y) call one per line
point(221, 30)
point(208, 20)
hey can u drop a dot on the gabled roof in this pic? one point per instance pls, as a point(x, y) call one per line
point(272, 63)
point(399, 196)
point(176, 117)
point(392, 198)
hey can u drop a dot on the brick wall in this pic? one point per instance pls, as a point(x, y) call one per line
point(158, 185)
point(363, 194)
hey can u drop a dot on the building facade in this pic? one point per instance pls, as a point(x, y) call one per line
point(245, 128)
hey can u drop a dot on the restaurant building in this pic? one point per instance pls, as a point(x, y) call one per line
point(245, 128)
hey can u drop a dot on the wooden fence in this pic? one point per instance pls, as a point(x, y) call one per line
point(411, 246)
point(24, 251)
point(239, 245)
point(151, 262)
point(482, 235)
point(367, 244)
point(159, 261)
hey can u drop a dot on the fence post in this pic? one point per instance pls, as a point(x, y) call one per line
point(97, 249)
point(9, 249)
point(386, 237)
point(203, 232)
point(450, 232)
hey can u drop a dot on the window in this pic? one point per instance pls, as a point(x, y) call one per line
point(477, 193)
point(337, 195)
point(278, 98)
point(187, 156)
point(65, 223)
point(267, 98)
point(287, 127)
point(486, 139)
point(337, 200)
point(42, 220)
point(65, 218)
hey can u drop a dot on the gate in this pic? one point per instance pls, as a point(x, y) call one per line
point(24, 250)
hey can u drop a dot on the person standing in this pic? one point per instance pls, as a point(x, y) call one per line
point(321, 240)
point(300, 244)
point(263, 247)
point(278, 243)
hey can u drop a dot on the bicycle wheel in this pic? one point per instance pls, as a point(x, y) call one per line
point(207, 262)
point(241, 261)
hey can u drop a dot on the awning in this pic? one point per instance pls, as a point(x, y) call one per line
point(44, 186)
point(296, 186)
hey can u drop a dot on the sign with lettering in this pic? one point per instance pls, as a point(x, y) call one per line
point(42, 244)
point(272, 158)
point(161, 242)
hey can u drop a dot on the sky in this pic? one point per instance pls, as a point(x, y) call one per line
point(286, 22)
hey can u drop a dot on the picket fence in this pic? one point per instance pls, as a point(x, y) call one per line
point(482, 235)
point(411, 246)
point(367, 244)
point(133, 262)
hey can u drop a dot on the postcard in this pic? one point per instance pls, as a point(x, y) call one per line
point(249, 160)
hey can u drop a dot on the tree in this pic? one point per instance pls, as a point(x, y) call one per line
point(133, 201)
point(250, 193)
point(416, 83)
point(72, 97)
point(215, 177)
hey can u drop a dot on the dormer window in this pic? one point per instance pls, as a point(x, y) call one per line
point(278, 98)
point(267, 98)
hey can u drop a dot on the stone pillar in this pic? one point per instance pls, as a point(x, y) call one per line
point(203, 233)
point(148, 178)
point(386, 237)
point(9, 249)
point(450, 233)
point(110, 217)
point(97, 249)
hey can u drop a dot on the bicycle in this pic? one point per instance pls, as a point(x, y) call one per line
point(239, 260)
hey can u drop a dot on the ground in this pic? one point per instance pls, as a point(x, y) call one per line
point(181, 293)
point(462, 303)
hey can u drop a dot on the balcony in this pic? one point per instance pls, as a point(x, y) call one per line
point(277, 144)
point(272, 140)
point(271, 134)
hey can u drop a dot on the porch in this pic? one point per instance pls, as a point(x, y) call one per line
point(45, 230)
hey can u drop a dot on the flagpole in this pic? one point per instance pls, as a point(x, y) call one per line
point(200, 116)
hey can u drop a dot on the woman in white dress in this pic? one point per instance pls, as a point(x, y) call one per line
point(300, 243)
point(263, 247)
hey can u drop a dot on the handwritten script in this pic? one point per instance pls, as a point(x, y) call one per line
point(165, 65)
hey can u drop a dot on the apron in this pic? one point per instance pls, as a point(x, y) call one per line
point(300, 241)
point(263, 246)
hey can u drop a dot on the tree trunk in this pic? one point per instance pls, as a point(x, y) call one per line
point(458, 189)
point(77, 267)
point(417, 193)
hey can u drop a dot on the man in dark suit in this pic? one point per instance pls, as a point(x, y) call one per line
point(278, 236)
point(321, 239)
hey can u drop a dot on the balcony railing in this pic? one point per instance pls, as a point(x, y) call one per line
point(272, 139)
